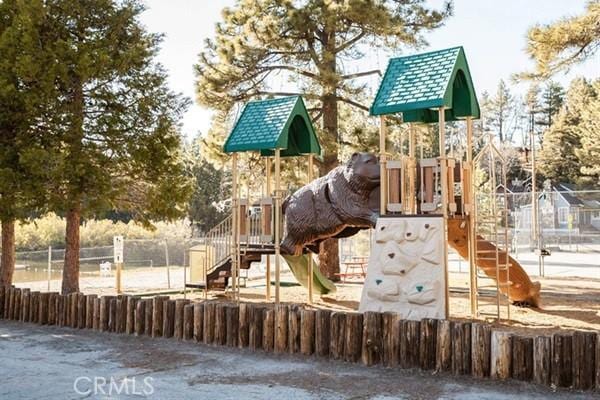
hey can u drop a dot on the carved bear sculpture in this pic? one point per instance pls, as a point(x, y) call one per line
point(338, 204)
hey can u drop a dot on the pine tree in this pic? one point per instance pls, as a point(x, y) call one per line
point(208, 189)
point(551, 101)
point(558, 46)
point(560, 158)
point(499, 111)
point(259, 42)
point(589, 133)
point(24, 89)
point(118, 140)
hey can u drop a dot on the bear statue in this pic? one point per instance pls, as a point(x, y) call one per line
point(338, 204)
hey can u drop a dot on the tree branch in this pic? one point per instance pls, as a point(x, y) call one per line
point(360, 74)
point(350, 42)
point(352, 103)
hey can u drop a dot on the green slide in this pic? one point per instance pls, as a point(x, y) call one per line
point(299, 267)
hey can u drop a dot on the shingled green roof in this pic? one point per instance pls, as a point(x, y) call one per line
point(266, 125)
point(419, 84)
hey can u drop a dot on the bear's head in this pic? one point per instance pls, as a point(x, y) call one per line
point(362, 171)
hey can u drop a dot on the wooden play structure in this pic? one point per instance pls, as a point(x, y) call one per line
point(274, 128)
point(436, 88)
point(457, 185)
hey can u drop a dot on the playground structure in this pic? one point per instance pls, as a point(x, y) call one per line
point(455, 192)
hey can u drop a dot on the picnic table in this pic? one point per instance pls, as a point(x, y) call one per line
point(354, 267)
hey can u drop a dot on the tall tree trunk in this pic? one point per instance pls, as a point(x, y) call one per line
point(329, 260)
point(7, 262)
point(70, 282)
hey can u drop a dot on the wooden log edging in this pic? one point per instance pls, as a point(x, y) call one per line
point(458, 347)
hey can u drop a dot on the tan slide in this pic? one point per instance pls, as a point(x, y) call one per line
point(521, 289)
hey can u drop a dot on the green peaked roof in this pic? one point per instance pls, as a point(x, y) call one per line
point(416, 85)
point(266, 125)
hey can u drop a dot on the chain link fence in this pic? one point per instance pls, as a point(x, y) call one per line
point(149, 265)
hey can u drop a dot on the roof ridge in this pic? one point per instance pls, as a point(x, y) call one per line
point(426, 53)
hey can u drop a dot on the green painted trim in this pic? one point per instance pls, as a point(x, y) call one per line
point(296, 137)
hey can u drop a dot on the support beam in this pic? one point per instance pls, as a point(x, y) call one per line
point(310, 258)
point(234, 225)
point(444, 181)
point(267, 194)
point(277, 223)
point(382, 163)
point(471, 218)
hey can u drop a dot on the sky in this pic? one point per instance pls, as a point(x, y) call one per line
point(492, 32)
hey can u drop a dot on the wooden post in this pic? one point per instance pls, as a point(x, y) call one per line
point(562, 362)
point(281, 328)
point(443, 347)
point(410, 337)
point(598, 361)
point(268, 342)
point(471, 237)
point(104, 312)
point(383, 166)
point(255, 326)
point(481, 335)
point(445, 189)
point(428, 343)
point(17, 307)
point(461, 348)
point(131, 310)
point(522, 358)
point(372, 338)
point(584, 353)
point(268, 257)
point(244, 325)
point(34, 310)
point(60, 306)
point(81, 310)
point(322, 332)
point(178, 324)
point(391, 339)
point(112, 314)
point(294, 321)
point(157, 315)
point(43, 311)
point(168, 328)
point(96, 323)
point(188, 322)
point(25, 300)
point(232, 318)
point(198, 321)
point(500, 354)
point(352, 337)
point(11, 303)
point(2, 297)
point(310, 258)
point(235, 226)
point(337, 332)
point(140, 317)
point(277, 224)
point(52, 297)
point(220, 324)
point(307, 332)
point(148, 315)
point(89, 310)
point(542, 360)
point(209, 322)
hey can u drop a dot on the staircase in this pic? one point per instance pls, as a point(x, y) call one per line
point(219, 253)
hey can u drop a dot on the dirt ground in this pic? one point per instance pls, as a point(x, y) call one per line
point(49, 362)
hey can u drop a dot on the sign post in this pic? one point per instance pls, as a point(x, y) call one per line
point(118, 258)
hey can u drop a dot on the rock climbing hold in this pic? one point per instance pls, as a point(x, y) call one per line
point(391, 255)
point(378, 281)
point(419, 288)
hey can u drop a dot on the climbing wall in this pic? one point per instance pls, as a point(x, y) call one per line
point(406, 268)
